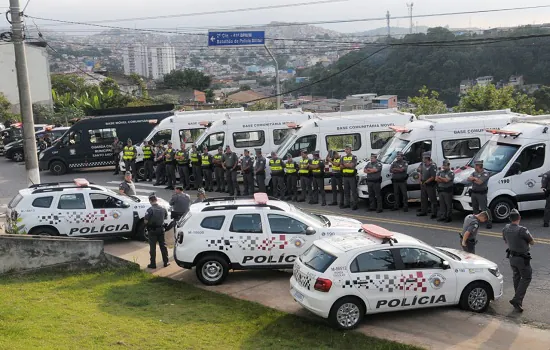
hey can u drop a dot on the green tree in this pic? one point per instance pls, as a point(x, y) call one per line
point(142, 87)
point(5, 108)
point(262, 106)
point(428, 103)
point(244, 87)
point(542, 99)
point(209, 93)
point(187, 78)
point(487, 98)
point(69, 83)
point(166, 99)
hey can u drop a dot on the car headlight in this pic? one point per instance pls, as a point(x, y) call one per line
point(495, 272)
point(468, 190)
point(363, 181)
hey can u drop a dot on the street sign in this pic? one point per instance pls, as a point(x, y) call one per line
point(239, 38)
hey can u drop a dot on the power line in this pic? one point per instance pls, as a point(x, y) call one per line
point(27, 4)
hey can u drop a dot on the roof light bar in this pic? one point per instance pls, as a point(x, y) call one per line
point(401, 129)
point(81, 182)
point(377, 231)
point(503, 132)
point(292, 125)
point(261, 198)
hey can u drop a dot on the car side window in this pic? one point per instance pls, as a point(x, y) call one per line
point(285, 225)
point(415, 259)
point(246, 223)
point(213, 222)
point(42, 202)
point(378, 260)
point(72, 201)
point(103, 201)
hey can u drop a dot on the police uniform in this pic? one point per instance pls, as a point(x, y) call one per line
point(427, 189)
point(128, 187)
point(305, 177)
point(155, 217)
point(194, 156)
point(116, 148)
point(148, 162)
point(518, 238)
point(42, 145)
point(259, 170)
point(318, 180)
point(445, 190)
point(350, 182)
point(374, 182)
point(180, 203)
point(277, 176)
point(337, 187)
point(160, 172)
point(471, 224)
point(247, 167)
point(545, 182)
point(218, 171)
point(291, 170)
point(206, 167)
point(399, 176)
point(129, 157)
point(182, 161)
point(479, 193)
point(230, 161)
point(169, 160)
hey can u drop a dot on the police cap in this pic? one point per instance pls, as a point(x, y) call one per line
point(258, 150)
point(220, 148)
point(180, 188)
point(153, 196)
point(304, 150)
point(399, 153)
point(446, 162)
point(478, 162)
point(316, 153)
point(288, 155)
point(374, 155)
point(427, 155)
point(128, 173)
point(129, 140)
point(169, 142)
point(246, 151)
point(348, 145)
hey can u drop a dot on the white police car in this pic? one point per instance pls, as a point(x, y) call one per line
point(77, 209)
point(342, 278)
point(223, 233)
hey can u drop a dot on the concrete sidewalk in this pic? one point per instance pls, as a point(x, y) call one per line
point(440, 328)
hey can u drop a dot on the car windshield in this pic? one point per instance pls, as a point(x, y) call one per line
point(317, 219)
point(288, 140)
point(389, 151)
point(317, 259)
point(449, 254)
point(495, 155)
point(135, 199)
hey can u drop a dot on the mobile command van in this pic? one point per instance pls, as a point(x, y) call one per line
point(453, 136)
point(366, 131)
point(515, 158)
point(87, 144)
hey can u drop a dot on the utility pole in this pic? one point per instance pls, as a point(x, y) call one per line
point(410, 6)
point(25, 101)
point(388, 24)
point(277, 82)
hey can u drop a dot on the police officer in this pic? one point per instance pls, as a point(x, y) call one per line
point(479, 179)
point(373, 169)
point(468, 237)
point(427, 171)
point(170, 162)
point(127, 186)
point(399, 176)
point(148, 161)
point(160, 172)
point(305, 176)
point(230, 161)
point(116, 148)
point(154, 220)
point(129, 157)
point(545, 184)
point(317, 167)
point(519, 239)
point(444, 179)
point(180, 204)
point(48, 141)
point(259, 170)
point(194, 156)
point(277, 175)
point(247, 167)
point(206, 167)
point(291, 173)
point(337, 187)
point(42, 145)
point(349, 163)
point(201, 196)
point(218, 170)
point(182, 161)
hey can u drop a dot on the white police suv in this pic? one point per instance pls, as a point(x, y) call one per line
point(223, 233)
point(342, 278)
point(77, 209)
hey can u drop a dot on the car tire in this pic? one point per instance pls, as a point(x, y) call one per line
point(388, 198)
point(18, 157)
point(140, 171)
point(476, 297)
point(43, 231)
point(347, 313)
point(57, 167)
point(141, 233)
point(500, 209)
point(212, 270)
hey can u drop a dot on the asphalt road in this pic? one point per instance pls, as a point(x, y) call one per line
point(491, 246)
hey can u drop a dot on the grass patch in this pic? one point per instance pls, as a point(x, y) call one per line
point(132, 309)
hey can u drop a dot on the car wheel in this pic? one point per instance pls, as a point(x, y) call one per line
point(141, 233)
point(43, 231)
point(501, 208)
point(347, 313)
point(388, 198)
point(140, 170)
point(58, 168)
point(212, 270)
point(18, 157)
point(475, 297)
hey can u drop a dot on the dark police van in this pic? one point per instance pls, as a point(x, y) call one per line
point(87, 144)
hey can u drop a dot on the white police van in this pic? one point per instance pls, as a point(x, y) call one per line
point(222, 234)
point(78, 209)
point(453, 136)
point(515, 158)
point(342, 278)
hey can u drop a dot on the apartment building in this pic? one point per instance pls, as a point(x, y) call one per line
point(150, 62)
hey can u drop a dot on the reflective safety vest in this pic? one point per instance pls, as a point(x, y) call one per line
point(275, 165)
point(348, 171)
point(129, 153)
point(169, 155)
point(194, 157)
point(318, 170)
point(290, 168)
point(218, 157)
point(336, 165)
point(181, 161)
point(147, 152)
point(205, 160)
point(304, 167)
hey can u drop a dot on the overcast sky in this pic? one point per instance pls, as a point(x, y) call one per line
point(84, 11)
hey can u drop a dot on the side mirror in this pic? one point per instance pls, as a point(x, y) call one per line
point(310, 231)
point(445, 265)
point(125, 205)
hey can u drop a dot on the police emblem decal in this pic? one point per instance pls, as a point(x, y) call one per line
point(115, 214)
point(436, 281)
point(297, 242)
point(530, 183)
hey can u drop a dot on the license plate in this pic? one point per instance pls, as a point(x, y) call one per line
point(297, 295)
